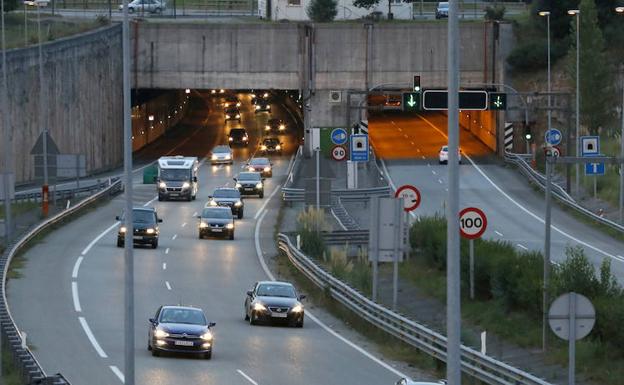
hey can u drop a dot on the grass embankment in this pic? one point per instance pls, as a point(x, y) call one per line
point(20, 34)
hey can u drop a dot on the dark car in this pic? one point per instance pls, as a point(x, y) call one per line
point(238, 136)
point(262, 106)
point(442, 10)
point(216, 221)
point(231, 101)
point(261, 165)
point(145, 224)
point(180, 329)
point(228, 197)
point(275, 126)
point(271, 146)
point(274, 301)
point(232, 113)
point(250, 183)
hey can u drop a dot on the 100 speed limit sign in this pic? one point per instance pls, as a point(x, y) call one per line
point(472, 222)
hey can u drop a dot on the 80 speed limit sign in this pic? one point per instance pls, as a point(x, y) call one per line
point(472, 222)
point(338, 153)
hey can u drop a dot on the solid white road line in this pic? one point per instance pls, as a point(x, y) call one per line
point(522, 246)
point(498, 233)
point(246, 377)
point(77, 307)
point(521, 207)
point(440, 181)
point(77, 266)
point(167, 250)
point(412, 143)
point(168, 285)
point(90, 245)
point(433, 172)
point(91, 337)
point(174, 236)
point(266, 202)
point(164, 265)
point(308, 313)
point(150, 201)
point(195, 214)
point(118, 373)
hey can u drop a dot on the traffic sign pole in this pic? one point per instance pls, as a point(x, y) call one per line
point(546, 268)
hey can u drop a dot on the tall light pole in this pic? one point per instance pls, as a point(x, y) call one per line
point(42, 116)
point(547, 15)
point(620, 10)
point(577, 13)
point(8, 134)
point(128, 252)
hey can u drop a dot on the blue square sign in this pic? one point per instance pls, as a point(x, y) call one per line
point(597, 168)
point(359, 148)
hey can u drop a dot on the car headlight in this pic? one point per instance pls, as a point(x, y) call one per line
point(268, 107)
point(203, 225)
point(207, 336)
point(259, 307)
point(267, 127)
point(263, 147)
point(238, 204)
point(238, 104)
point(259, 185)
point(282, 127)
point(213, 203)
point(214, 157)
point(266, 95)
point(159, 333)
point(122, 229)
point(278, 147)
point(257, 107)
point(229, 226)
point(227, 156)
point(237, 116)
point(186, 185)
point(245, 138)
point(238, 185)
point(297, 309)
point(267, 169)
point(150, 231)
point(213, 91)
point(227, 116)
point(250, 168)
point(231, 139)
point(162, 185)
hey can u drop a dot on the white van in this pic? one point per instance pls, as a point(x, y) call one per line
point(177, 177)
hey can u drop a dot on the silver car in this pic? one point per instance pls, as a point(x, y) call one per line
point(152, 6)
point(221, 154)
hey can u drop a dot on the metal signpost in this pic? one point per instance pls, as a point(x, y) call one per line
point(571, 317)
point(472, 225)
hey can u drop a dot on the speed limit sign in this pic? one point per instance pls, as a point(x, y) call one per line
point(338, 153)
point(472, 222)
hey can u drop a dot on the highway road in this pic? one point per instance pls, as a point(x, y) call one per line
point(70, 298)
point(515, 211)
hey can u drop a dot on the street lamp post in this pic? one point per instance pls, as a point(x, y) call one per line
point(42, 122)
point(620, 10)
point(577, 13)
point(547, 14)
point(6, 139)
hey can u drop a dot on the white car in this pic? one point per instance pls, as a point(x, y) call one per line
point(444, 155)
point(405, 381)
point(37, 3)
point(152, 6)
point(221, 154)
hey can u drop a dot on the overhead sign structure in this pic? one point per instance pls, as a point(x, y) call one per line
point(590, 145)
point(497, 100)
point(339, 136)
point(338, 153)
point(411, 101)
point(359, 148)
point(472, 222)
point(553, 136)
point(410, 195)
point(468, 100)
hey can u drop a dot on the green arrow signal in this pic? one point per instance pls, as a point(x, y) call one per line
point(411, 101)
point(498, 102)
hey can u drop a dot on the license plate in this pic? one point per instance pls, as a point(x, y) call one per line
point(174, 194)
point(279, 315)
point(248, 189)
point(138, 237)
point(184, 343)
point(217, 230)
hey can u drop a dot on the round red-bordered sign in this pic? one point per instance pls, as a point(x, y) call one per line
point(472, 222)
point(339, 153)
point(410, 195)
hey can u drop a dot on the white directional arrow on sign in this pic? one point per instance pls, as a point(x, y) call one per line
point(411, 102)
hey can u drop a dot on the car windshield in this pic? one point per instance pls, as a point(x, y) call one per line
point(226, 193)
point(142, 216)
point(217, 213)
point(259, 162)
point(183, 316)
point(252, 176)
point(272, 290)
point(444, 149)
point(238, 132)
point(174, 174)
point(274, 122)
point(271, 142)
point(443, 5)
point(231, 111)
point(221, 150)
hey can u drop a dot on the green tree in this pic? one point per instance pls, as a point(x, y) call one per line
point(366, 4)
point(322, 10)
point(10, 5)
point(595, 78)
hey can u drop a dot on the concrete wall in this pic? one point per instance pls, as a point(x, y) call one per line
point(166, 110)
point(83, 88)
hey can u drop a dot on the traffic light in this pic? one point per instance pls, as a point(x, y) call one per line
point(411, 101)
point(498, 101)
point(416, 83)
point(527, 132)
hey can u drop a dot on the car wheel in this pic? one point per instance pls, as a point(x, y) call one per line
point(246, 315)
point(190, 198)
point(299, 324)
point(157, 10)
point(120, 243)
point(149, 346)
point(240, 214)
point(252, 321)
point(261, 195)
point(208, 355)
point(160, 198)
point(194, 197)
point(155, 353)
point(155, 244)
point(200, 236)
point(232, 236)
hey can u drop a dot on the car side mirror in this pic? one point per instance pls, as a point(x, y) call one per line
point(195, 179)
point(302, 296)
point(155, 179)
point(209, 196)
point(263, 179)
point(199, 217)
point(159, 220)
point(117, 218)
point(152, 320)
point(211, 324)
point(234, 179)
point(249, 293)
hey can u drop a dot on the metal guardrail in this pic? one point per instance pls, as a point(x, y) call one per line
point(558, 192)
point(475, 364)
point(30, 369)
point(62, 193)
point(341, 237)
point(298, 194)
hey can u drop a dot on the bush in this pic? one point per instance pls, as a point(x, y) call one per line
point(322, 10)
point(428, 239)
point(310, 223)
point(533, 54)
point(496, 12)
